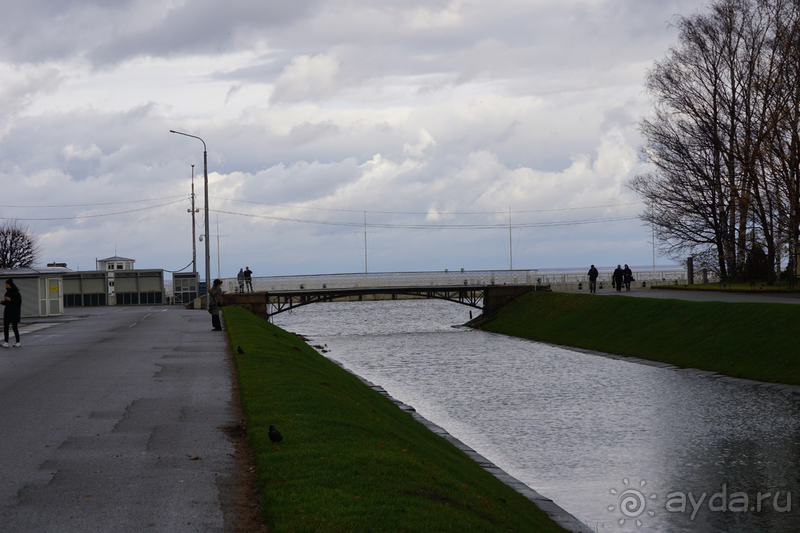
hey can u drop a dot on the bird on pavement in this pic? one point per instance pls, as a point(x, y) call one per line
point(239, 349)
point(274, 434)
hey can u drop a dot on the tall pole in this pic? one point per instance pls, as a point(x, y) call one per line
point(654, 246)
point(207, 239)
point(366, 270)
point(218, 269)
point(208, 244)
point(194, 231)
point(510, 246)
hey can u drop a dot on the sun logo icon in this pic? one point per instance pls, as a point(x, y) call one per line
point(632, 503)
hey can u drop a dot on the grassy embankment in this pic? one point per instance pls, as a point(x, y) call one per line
point(747, 340)
point(351, 460)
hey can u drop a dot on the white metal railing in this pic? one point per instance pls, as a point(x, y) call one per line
point(387, 279)
point(649, 277)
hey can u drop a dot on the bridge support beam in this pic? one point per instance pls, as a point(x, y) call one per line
point(496, 296)
point(488, 298)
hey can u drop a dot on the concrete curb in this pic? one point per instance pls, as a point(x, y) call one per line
point(550, 508)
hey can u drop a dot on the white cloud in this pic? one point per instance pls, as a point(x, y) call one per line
point(71, 152)
point(306, 78)
point(329, 108)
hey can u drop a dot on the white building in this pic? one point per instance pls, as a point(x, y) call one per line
point(115, 282)
point(115, 263)
point(41, 289)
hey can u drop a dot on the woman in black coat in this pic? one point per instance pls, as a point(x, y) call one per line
point(617, 277)
point(627, 277)
point(12, 311)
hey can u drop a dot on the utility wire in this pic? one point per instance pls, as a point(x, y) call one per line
point(181, 270)
point(426, 213)
point(95, 216)
point(91, 205)
point(430, 226)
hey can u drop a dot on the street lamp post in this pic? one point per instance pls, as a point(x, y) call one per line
point(194, 228)
point(208, 243)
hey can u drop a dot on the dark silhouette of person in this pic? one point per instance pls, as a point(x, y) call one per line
point(618, 276)
point(215, 302)
point(593, 279)
point(247, 278)
point(627, 277)
point(12, 312)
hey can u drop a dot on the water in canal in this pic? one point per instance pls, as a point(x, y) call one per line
point(621, 446)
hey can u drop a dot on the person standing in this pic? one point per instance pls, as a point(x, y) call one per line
point(247, 278)
point(240, 279)
point(215, 294)
point(593, 280)
point(618, 276)
point(627, 277)
point(12, 312)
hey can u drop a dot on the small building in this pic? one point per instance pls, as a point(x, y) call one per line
point(115, 282)
point(185, 287)
point(115, 263)
point(41, 289)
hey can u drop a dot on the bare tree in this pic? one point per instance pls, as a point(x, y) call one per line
point(691, 197)
point(722, 107)
point(784, 147)
point(19, 247)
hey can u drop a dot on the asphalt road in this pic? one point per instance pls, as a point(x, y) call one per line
point(115, 422)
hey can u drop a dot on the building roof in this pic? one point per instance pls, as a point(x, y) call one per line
point(116, 258)
point(33, 271)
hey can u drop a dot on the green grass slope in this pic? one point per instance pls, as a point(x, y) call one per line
point(748, 340)
point(350, 459)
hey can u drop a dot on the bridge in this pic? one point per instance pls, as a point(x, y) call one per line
point(487, 290)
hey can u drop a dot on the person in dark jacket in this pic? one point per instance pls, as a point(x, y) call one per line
point(215, 293)
point(593, 279)
point(248, 278)
point(618, 276)
point(627, 275)
point(12, 311)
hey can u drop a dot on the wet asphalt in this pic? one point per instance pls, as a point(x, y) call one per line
point(114, 419)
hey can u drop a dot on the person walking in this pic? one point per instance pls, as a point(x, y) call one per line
point(215, 303)
point(618, 277)
point(593, 280)
point(247, 278)
point(12, 311)
point(627, 276)
point(240, 279)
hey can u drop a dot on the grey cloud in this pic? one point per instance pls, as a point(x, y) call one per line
point(508, 132)
point(306, 132)
point(17, 94)
point(554, 68)
point(619, 117)
point(110, 32)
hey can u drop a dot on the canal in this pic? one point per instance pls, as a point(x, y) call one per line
point(621, 446)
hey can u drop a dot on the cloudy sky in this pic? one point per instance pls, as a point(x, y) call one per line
point(436, 121)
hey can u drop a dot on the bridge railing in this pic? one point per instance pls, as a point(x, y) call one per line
point(445, 278)
point(571, 281)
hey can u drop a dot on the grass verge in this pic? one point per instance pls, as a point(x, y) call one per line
point(350, 459)
point(748, 340)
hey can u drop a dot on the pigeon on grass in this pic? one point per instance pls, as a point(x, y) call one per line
point(274, 434)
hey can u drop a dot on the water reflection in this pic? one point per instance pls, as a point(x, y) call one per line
point(576, 427)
